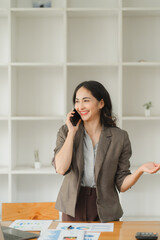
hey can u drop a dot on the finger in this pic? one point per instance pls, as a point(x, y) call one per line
point(79, 122)
point(155, 170)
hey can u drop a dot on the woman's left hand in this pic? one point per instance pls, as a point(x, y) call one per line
point(150, 167)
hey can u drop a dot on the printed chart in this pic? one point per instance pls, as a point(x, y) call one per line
point(31, 225)
point(92, 227)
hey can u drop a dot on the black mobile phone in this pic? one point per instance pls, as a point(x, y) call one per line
point(74, 120)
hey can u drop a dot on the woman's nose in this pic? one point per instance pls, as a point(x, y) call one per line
point(80, 106)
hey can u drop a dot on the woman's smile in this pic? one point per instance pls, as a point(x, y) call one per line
point(83, 113)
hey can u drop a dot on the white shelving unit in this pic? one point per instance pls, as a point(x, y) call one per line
point(45, 53)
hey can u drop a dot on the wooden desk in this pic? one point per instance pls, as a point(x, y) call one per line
point(122, 230)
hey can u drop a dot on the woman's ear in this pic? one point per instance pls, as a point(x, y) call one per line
point(101, 104)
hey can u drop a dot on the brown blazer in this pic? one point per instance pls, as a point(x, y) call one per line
point(111, 167)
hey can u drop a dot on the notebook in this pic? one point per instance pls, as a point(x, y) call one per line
point(7, 233)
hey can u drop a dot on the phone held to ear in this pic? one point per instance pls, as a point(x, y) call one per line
point(74, 120)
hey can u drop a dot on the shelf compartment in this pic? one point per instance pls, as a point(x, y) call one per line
point(141, 36)
point(3, 12)
point(4, 39)
point(89, 33)
point(108, 76)
point(4, 4)
point(28, 136)
point(3, 190)
point(4, 92)
point(136, 80)
point(35, 26)
point(23, 192)
point(38, 91)
point(142, 194)
point(4, 143)
point(28, 3)
point(141, 3)
point(92, 3)
point(144, 136)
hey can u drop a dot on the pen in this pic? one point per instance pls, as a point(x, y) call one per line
point(69, 227)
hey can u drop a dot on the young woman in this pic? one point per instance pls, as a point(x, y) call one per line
point(94, 157)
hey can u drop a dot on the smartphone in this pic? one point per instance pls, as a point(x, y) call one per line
point(74, 120)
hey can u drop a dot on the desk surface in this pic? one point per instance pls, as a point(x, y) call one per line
point(122, 230)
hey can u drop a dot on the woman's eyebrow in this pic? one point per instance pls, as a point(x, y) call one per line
point(84, 98)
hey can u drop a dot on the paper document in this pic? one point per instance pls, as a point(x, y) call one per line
point(95, 227)
point(31, 225)
point(52, 234)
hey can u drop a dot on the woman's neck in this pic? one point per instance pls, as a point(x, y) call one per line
point(94, 130)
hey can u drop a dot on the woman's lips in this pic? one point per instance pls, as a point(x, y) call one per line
point(82, 113)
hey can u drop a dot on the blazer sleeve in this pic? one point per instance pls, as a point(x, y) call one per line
point(61, 137)
point(124, 163)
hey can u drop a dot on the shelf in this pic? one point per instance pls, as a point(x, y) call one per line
point(142, 63)
point(140, 118)
point(36, 64)
point(37, 12)
point(33, 118)
point(31, 170)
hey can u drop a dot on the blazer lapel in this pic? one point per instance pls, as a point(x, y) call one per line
point(103, 145)
point(79, 148)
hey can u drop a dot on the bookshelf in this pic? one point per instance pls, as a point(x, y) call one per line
point(45, 53)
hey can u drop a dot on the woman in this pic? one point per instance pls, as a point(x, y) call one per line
point(94, 157)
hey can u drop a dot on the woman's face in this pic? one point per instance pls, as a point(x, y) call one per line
point(87, 105)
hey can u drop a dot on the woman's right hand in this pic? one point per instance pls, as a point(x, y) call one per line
point(71, 128)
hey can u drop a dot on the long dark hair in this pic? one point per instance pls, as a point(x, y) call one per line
point(99, 92)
